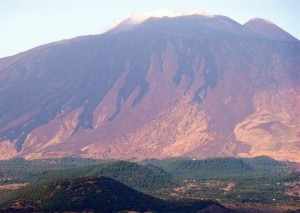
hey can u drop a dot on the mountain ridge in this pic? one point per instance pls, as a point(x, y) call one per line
point(269, 30)
point(183, 86)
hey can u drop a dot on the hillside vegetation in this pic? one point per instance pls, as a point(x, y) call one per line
point(259, 182)
point(99, 194)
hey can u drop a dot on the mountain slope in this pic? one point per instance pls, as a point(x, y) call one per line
point(93, 194)
point(184, 86)
point(268, 29)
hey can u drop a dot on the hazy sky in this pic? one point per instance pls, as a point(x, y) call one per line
point(25, 24)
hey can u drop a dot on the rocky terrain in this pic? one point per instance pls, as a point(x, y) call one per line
point(198, 86)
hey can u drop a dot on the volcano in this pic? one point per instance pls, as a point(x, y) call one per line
point(198, 86)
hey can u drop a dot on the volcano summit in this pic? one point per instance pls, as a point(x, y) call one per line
point(195, 85)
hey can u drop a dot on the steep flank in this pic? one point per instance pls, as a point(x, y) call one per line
point(268, 29)
point(198, 86)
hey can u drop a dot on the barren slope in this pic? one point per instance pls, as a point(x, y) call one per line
point(185, 86)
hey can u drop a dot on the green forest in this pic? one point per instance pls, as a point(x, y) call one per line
point(259, 182)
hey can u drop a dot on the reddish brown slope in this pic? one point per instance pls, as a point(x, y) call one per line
point(185, 86)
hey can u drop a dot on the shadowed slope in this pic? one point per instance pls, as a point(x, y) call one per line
point(93, 194)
